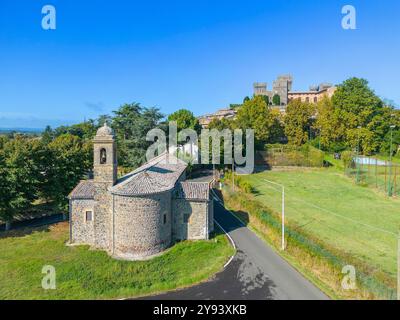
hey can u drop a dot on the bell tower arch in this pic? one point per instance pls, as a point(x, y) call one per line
point(105, 158)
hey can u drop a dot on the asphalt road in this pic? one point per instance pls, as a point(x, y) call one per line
point(255, 273)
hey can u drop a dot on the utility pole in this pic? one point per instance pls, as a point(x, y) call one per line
point(283, 218)
point(213, 170)
point(233, 176)
point(398, 266)
point(390, 191)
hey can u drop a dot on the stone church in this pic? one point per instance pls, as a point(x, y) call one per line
point(144, 212)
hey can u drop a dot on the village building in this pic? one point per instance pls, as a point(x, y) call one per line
point(142, 213)
point(282, 87)
point(205, 120)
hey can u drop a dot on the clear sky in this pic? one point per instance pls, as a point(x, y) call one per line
point(201, 55)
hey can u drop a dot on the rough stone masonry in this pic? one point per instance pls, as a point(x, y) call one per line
point(142, 213)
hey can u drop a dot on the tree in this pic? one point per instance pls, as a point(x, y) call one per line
point(47, 135)
point(234, 106)
point(185, 120)
point(385, 147)
point(255, 114)
point(266, 99)
point(330, 128)
point(104, 118)
point(277, 130)
point(220, 125)
point(298, 121)
point(20, 175)
point(356, 102)
point(246, 99)
point(131, 123)
point(71, 158)
point(276, 100)
point(6, 212)
point(85, 130)
point(363, 139)
point(356, 105)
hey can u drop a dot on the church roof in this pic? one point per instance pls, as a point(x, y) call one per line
point(158, 175)
point(84, 190)
point(193, 190)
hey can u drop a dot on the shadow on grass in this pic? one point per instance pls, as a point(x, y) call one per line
point(22, 232)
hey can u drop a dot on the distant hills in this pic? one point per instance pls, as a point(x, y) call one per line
point(21, 130)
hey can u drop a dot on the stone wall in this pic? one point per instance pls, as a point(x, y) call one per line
point(106, 172)
point(190, 219)
point(82, 231)
point(139, 228)
point(211, 216)
point(102, 216)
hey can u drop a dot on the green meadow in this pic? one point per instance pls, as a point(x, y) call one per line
point(357, 220)
point(82, 273)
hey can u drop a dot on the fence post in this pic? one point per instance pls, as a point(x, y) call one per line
point(395, 180)
point(369, 169)
point(361, 171)
point(385, 177)
point(398, 266)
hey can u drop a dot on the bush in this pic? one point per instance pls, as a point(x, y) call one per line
point(239, 182)
point(337, 147)
point(289, 155)
point(347, 158)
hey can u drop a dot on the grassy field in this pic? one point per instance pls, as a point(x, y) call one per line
point(356, 220)
point(88, 274)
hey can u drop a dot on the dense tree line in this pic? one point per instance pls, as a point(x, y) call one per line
point(355, 117)
point(31, 169)
point(46, 168)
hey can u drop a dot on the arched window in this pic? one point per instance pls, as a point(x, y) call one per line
point(315, 99)
point(103, 156)
point(308, 99)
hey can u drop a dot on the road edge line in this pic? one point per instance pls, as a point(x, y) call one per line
point(232, 242)
point(234, 215)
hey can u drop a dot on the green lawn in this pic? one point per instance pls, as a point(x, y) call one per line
point(88, 274)
point(323, 202)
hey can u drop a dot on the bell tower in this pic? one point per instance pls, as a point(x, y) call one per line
point(105, 156)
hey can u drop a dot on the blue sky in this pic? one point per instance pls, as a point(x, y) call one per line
point(200, 55)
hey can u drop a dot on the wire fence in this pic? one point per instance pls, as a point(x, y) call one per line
point(331, 234)
point(380, 174)
point(287, 155)
point(342, 240)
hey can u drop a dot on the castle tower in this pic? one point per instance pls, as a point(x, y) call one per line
point(105, 157)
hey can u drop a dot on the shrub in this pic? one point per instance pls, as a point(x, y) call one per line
point(347, 158)
point(289, 155)
point(239, 182)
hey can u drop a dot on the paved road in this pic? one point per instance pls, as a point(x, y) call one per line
point(256, 272)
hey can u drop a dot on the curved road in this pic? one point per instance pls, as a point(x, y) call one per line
point(255, 273)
